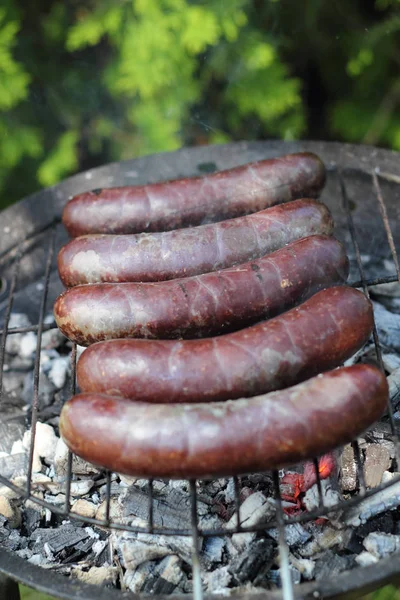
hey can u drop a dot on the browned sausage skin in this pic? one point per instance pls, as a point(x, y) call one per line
point(316, 336)
point(206, 304)
point(194, 201)
point(186, 252)
point(225, 438)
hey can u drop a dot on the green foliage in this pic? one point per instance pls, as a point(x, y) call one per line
point(82, 84)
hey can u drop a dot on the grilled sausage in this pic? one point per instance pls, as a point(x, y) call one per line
point(316, 336)
point(186, 252)
point(204, 304)
point(195, 201)
point(225, 438)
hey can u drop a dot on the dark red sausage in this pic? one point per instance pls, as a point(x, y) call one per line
point(186, 252)
point(195, 201)
point(317, 336)
point(206, 304)
point(221, 439)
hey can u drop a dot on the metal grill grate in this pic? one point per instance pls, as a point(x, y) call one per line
point(14, 256)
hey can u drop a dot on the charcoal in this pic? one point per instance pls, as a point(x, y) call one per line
point(13, 384)
point(329, 538)
point(47, 390)
point(58, 371)
point(254, 510)
point(388, 326)
point(135, 580)
point(377, 461)
point(79, 551)
point(172, 512)
point(14, 541)
point(52, 338)
point(354, 545)
point(366, 559)
point(305, 566)
point(331, 564)
point(213, 548)
point(275, 576)
point(394, 388)
point(391, 362)
point(217, 581)
point(13, 465)
point(258, 556)
point(59, 538)
point(45, 441)
point(382, 524)
point(386, 499)
point(134, 553)
point(166, 576)
point(11, 430)
point(330, 495)
point(382, 544)
point(31, 519)
point(348, 469)
point(14, 341)
point(104, 576)
point(295, 535)
point(84, 508)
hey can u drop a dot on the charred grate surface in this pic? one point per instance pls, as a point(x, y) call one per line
point(11, 259)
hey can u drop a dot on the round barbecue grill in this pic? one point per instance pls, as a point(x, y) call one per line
point(363, 194)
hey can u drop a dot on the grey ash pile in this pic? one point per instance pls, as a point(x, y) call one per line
point(160, 563)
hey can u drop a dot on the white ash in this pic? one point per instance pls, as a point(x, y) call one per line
point(381, 544)
point(330, 495)
point(366, 559)
point(391, 361)
point(305, 566)
point(295, 535)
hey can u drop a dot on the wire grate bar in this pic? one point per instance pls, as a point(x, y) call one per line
point(385, 218)
point(33, 235)
point(70, 455)
point(28, 328)
point(287, 584)
point(196, 567)
point(7, 318)
point(151, 506)
point(236, 486)
point(108, 498)
point(36, 371)
point(360, 468)
point(319, 484)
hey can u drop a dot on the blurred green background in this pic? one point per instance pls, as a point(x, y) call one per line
point(85, 83)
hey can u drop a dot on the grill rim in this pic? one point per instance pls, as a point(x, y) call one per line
point(361, 158)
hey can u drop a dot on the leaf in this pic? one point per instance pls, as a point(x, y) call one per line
point(14, 80)
point(63, 159)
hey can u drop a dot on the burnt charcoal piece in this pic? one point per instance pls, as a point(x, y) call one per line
point(382, 524)
point(254, 561)
point(331, 564)
point(58, 539)
point(31, 519)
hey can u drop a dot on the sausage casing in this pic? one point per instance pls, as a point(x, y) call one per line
point(206, 304)
point(225, 438)
point(186, 252)
point(316, 336)
point(195, 201)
